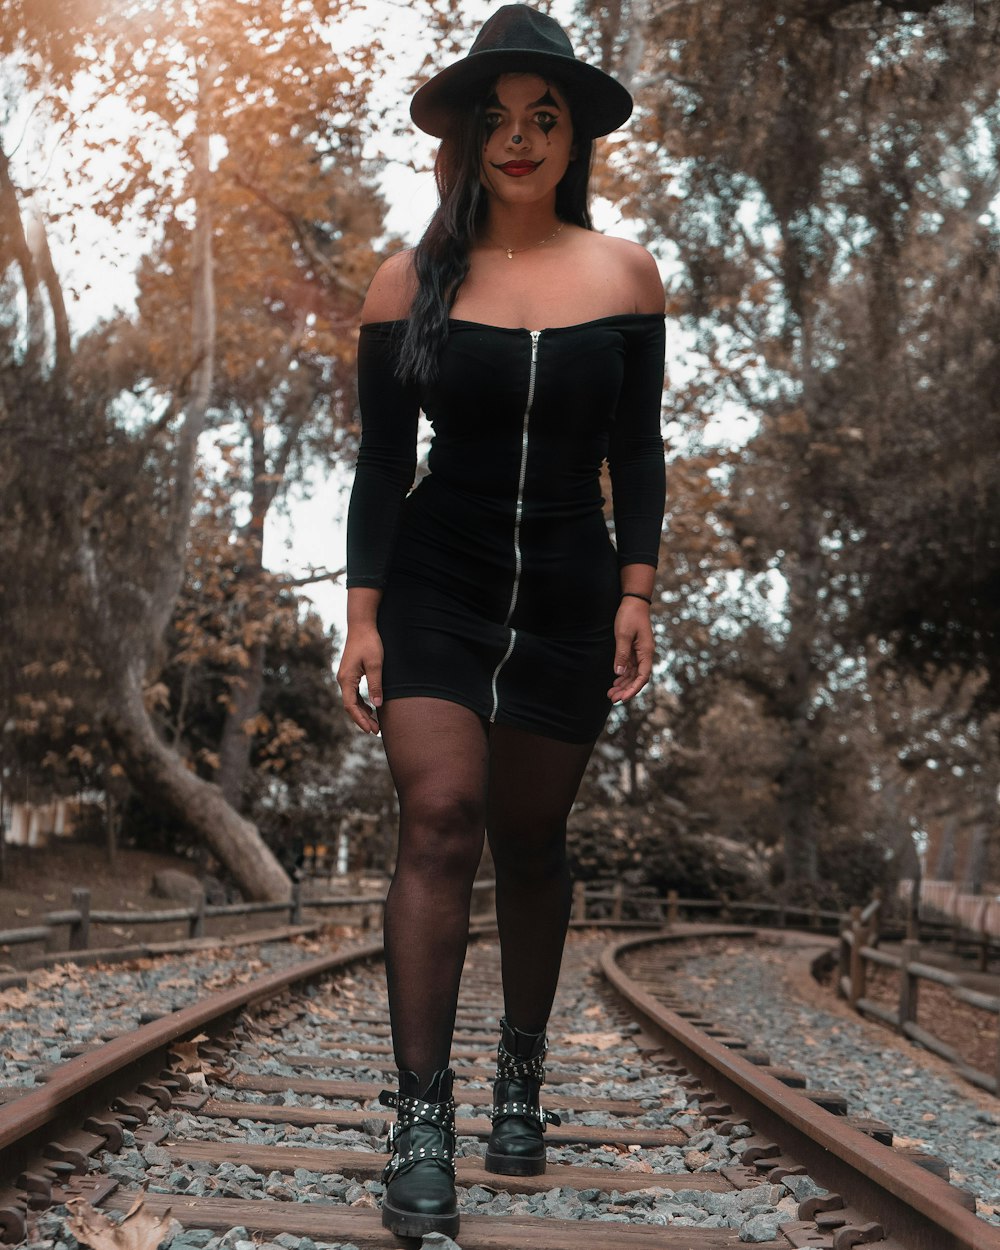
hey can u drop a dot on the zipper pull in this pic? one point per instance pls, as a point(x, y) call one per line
point(535, 335)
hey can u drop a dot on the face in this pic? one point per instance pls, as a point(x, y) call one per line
point(529, 138)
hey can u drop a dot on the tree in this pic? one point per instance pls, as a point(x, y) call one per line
point(820, 179)
point(120, 538)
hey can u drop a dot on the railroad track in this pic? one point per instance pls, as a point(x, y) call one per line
point(256, 1109)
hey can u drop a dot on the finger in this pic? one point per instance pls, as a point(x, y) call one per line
point(638, 678)
point(622, 682)
point(373, 672)
point(359, 711)
point(623, 652)
point(355, 707)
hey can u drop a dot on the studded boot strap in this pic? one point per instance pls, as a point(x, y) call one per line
point(411, 1114)
point(510, 1067)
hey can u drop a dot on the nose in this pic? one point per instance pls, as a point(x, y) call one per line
point(515, 139)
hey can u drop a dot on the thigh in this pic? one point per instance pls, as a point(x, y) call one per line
point(437, 752)
point(533, 781)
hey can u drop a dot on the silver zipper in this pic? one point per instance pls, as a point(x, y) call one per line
point(518, 512)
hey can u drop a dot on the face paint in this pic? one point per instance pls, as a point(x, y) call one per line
point(527, 141)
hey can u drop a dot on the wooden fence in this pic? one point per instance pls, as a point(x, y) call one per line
point(858, 935)
point(857, 951)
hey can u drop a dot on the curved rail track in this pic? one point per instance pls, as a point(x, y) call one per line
point(634, 1073)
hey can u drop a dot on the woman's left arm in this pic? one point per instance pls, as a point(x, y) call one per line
point(636, 466)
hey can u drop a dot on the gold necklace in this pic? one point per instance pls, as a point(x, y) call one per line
point(513, 251)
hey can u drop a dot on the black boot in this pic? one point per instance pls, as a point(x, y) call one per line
point(419, 1179)
point(516, 1146)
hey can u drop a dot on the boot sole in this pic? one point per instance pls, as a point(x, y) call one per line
point(514, 1165)
point(416, 1223)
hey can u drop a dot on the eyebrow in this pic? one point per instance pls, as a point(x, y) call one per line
point(548, 98)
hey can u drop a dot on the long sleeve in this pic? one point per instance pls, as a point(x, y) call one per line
point(635, 448)
point(387, 456)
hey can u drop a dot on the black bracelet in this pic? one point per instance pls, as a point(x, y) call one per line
point(634, 594)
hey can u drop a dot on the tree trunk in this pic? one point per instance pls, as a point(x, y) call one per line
point(245, 696)
point(944, 864)
point(974, 873)
point(199, 805)
point(795, 700)
point(234, 747)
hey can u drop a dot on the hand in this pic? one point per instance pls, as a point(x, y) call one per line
point(362, 657)
point(634, 650)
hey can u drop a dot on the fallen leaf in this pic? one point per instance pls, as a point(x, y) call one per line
point(139, 1230)
point(185, 1055)
point(22, 911)
point(600, 1041)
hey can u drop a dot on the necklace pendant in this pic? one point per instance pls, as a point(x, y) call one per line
point(510, 253)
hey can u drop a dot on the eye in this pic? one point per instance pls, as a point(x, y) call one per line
point(491, 121)
point(545, 121)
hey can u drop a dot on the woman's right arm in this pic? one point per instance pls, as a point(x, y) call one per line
point(385, 469)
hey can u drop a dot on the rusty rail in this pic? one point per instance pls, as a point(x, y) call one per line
point(919, 1209)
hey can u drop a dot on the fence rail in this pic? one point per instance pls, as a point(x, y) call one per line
point(858, 934)
point(857, 951)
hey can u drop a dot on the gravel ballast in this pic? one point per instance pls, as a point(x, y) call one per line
point(737, 985)
point(744, 988)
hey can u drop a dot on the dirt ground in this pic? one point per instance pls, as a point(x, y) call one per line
point(40, 880)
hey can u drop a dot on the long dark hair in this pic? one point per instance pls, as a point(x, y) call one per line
point(441, 258)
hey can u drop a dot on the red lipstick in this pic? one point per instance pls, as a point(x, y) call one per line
point(518, 169)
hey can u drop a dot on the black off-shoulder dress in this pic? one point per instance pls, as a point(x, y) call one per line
point(500, 581)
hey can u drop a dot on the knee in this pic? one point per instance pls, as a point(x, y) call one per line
point(442, 832)
point(529, 855)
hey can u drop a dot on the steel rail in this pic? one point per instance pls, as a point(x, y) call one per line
point(85, 1084)
point(914, 1206)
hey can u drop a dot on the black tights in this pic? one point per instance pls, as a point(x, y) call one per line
point(456, 776)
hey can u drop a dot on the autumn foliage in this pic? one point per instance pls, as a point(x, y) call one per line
point(820, 183)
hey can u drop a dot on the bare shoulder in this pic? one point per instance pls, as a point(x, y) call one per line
point(634, 268)
point(392, 289)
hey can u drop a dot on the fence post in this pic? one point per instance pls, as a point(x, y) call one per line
point(725, 915)
point(858, 935)
point(672, 909)
point(996, 1070)
point(984, 938)
point(843, 956)
point(196, 921)
point(579, 900)
point(876, 916)
point(908, 984)
point(295, 905)
point(79, 930)
point(616, 902)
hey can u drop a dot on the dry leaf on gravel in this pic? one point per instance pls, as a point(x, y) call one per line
point(317, 1009)
point(49, 978)
point(139, 1230)
point(600, 1041)
point(593, 1012)
point(186, 1055)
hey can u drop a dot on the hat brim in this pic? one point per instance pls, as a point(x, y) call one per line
point(599, 103)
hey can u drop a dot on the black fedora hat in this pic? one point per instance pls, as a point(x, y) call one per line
point(518, 39)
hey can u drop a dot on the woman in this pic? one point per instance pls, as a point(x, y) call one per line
point(493, 619)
